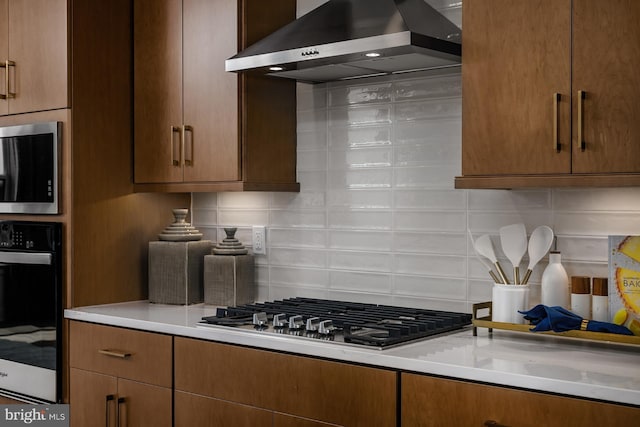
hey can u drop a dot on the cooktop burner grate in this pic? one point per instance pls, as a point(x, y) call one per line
point(372, 325)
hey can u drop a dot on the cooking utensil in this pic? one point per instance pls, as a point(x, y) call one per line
point(539, 244)
point(484, 260)
point(514, 245)
point(484, 246)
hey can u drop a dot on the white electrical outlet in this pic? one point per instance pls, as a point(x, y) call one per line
point(259, 239)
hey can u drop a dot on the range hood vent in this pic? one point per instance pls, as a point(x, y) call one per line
point(345, 39)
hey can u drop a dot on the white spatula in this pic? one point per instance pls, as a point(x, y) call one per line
point(484, 246)
point(514, 245)
point(539, 244)
point(484, 260)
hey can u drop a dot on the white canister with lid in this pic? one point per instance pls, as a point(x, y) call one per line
point(555, 283)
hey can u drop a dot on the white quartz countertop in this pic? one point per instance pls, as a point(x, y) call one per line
point(594, 370)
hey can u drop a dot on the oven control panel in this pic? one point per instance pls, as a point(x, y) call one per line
point(29, 236)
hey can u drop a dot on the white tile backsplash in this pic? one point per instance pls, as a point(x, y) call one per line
point(377, 218)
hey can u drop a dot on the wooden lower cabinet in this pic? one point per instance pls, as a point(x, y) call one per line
point(429, 401)
point(119, 377)
point(103, 400)
point(193, 410)
point(298, 390)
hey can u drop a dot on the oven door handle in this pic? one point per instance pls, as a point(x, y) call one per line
point(41, 258)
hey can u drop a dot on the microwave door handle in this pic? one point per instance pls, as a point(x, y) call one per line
point(40, 258)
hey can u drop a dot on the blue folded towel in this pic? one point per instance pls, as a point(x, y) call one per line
point(558, 319)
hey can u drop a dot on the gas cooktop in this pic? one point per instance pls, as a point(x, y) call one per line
point(359, 324)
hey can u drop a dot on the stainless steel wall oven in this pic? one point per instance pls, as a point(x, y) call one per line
point(30, 310)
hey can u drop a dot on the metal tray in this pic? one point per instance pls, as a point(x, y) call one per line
point(486, 322)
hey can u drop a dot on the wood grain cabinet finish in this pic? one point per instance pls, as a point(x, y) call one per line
point(309, 390)
point(33, 56)
point(524, 68)
point(119, 377)
point(198, 127)
point(429, 401)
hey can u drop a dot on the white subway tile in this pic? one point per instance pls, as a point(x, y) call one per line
point(302, 200)
point(204, 216)
point(312, 180)
point(237, 218)
point(430, 265)
point(363, 297)
point(429, 221)
point(427, 153)
point(311, 97)
point(341, 139)
point(298, 218)
point(509, 200)
point(362, 178)
point(445, 131)
point(359, 281)
point(481, 222)
point(597, 199)
point(283, 237)
point(448, 86)
point(432, 176)
point(360, 220)
point(312, 161)
point(308, 277)
point(365, 198)
point(430, 287)
point(361, 261)
point(369, 240)
point(243, 199)
point(311, 141)
point(205, 200)
point(429, 199)
point(280, 292)
point(429, 303)
point(362, 94)
point(312, 121)
point(301, 257)
point(428, 109)
point(434, 243)
point(590, 249)
point(369, 157)
point(596, 223)
point(353, 116)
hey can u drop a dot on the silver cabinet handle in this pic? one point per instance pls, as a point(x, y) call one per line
point(188, 155)
point(176, 160)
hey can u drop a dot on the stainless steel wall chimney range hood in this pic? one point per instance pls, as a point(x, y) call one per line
point(345, 39)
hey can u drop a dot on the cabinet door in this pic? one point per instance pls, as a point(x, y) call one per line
point(92, 397)
point(284, 420)
point(428, 401)
point(199, 411)
point(516, 57)
point(606, 59)
point(4, 54)
point(38, 47)
point(144, 405)
point(157, 90)
point(210, 93)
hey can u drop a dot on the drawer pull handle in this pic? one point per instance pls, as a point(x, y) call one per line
point(176, 155)
point(188, 155)
point(115, 353)
point(491, 423)
point(6, 80)
point(109, 399)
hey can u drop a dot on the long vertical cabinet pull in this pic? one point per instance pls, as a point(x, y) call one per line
point(109, 399)
point(121, 401)
point(8, 79)
point(556, 138)
point(188, 155)
point(176, 160)
point(582, 95)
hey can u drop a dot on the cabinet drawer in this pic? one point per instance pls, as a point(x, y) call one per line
point(332, 392)
point(428, 401)
point(125, 353)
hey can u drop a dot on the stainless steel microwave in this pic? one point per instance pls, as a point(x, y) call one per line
point(29, 168)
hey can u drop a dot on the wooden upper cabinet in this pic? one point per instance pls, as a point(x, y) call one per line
point(606, 60)
point(34, 53)
point(523, 66)
point(198, 127)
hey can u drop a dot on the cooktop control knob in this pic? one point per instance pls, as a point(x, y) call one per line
point(326, 327)
point(312, 324)
point(296, 322)
point(260, 319)
point(280, 320)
